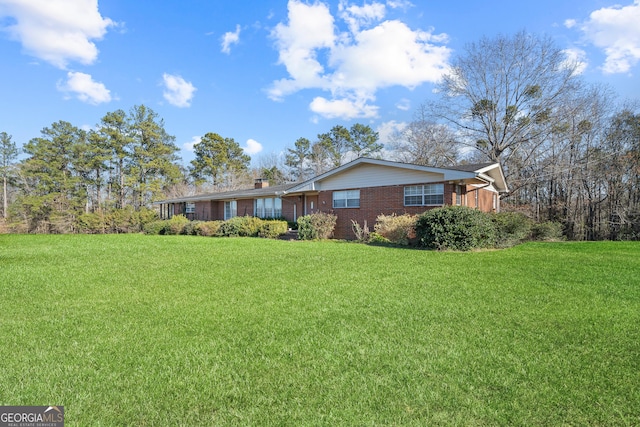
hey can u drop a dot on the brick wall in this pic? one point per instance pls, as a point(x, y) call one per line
point(390, 200)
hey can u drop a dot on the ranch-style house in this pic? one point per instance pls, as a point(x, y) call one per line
point(359, 191)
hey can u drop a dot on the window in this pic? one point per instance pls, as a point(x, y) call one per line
point(270, 207)
point(230, 209)
point(190, 208)
point(458, 195)
point(424, 195)
point(346, 199)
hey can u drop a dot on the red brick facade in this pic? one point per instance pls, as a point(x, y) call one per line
point(475, 186)
point(377, 201)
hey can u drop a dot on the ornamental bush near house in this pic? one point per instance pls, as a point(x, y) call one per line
point(397, 229)
point(455, 228)
point(512, 228)
point(240, 226)
point(208, 228)
point(156, 227)
point(316, 226)
point(190, 228)
point(362, 233)
point(176, 224)
point(272, 228)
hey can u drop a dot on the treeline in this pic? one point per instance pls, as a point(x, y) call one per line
point(570, 150)
point(115, 170)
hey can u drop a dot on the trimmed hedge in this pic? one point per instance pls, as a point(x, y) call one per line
point(455, 228)
point(316, 226)
point(271, 229)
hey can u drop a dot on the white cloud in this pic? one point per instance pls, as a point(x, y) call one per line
point(189, 145)
point(570, 23)
point(371, 55)
point(343, 108)
point(357, 16)
point(177, 91)
point(56, 31)
point(85, 89)
point(404, 104)
point(576, 58)
point(252, 147)
point(387, 130)
point(615, 29)
point(230, 38)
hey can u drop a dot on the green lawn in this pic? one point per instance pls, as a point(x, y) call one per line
point(177, 330)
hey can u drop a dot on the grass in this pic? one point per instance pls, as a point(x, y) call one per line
point(176, 330)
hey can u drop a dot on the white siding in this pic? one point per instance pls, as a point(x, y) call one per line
point(367, 175)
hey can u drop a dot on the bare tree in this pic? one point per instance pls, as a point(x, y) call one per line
point(503, 94)
point(425, 142)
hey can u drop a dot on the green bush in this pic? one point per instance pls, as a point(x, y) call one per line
point(156, 227)
point(375, 238)
point(397, 229)
point(547, 230)
point(511, 228)
point(91, 223)
point(271, 229)
point(189, 229)
point(241, 226)
point(207, 228)
point(455, 228)
point(316, 226)
point(176, 224)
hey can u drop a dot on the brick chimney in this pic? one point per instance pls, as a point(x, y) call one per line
point(261, 183)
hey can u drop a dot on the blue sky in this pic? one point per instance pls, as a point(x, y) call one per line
point(271, 71)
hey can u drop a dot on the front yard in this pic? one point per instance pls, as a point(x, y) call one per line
point(182, 330)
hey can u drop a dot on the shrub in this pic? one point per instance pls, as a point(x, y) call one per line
point(271, 229)
point(397, 229)
point(189, 228)
point(240, 226)
point(319, 225)
point(455, 228)
point(362, 233)
point(176, 224)
point(375, 238)
point(511, 228)
point(91, 223)
point(547, 230)
point(207, 228)
point(156, 227)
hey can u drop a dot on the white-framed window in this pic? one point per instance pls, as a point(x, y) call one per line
point(458, 195)
point(190, 208)
point(424, 195)
point(269, 207)
point(230, 209)
point(346, 199)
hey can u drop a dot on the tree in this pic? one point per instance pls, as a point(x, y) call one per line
point(425, 142)
point(151, 165)
point(218, 160)
point(297, 159)
point(503, 94)
point(116, 138)
point(364, 141)
point(336, 143)
point(8, 153)
point(54, 190)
